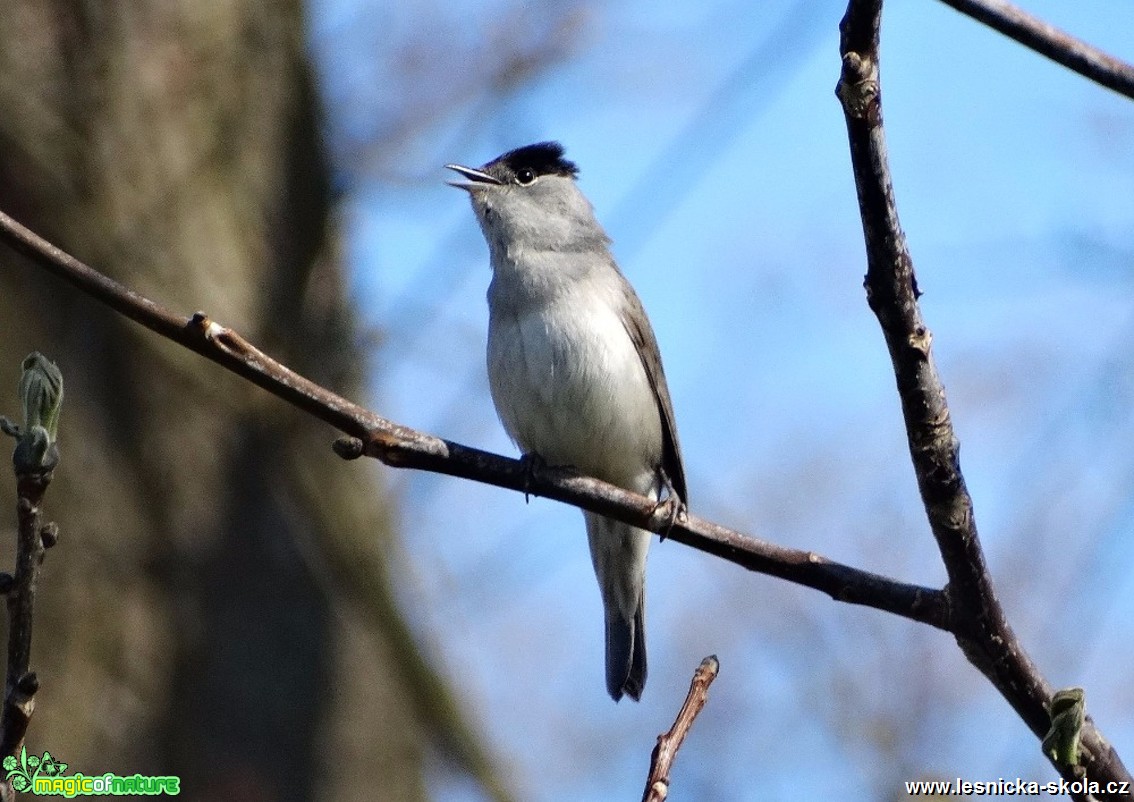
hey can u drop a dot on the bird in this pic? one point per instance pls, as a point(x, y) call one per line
point(575, 371)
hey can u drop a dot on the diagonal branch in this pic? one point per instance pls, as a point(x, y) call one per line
point(669, 742)
point(403, 447)
point(978, 620)
point(1059, 46)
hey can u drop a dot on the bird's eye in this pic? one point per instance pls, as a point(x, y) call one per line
point(525, 176)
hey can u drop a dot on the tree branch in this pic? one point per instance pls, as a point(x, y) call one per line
point(978, 621)
point(403, 447)
point(1059, 46)
point(21, 683)
point(665, 752)
point(34, 459)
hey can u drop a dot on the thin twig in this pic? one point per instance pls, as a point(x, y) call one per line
point(979, 622)
point(665, 752)
point(21, 683)
point(403, 447)
point(1059, 46)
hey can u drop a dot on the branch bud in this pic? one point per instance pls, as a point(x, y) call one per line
point(41, 392)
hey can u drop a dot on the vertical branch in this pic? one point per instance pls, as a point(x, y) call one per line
point(34, 460)
point(892, 293)
point(976, 616)
point(21, 683)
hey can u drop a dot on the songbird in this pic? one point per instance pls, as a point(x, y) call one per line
point(574, 368)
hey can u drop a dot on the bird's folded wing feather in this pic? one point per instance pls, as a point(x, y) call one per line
point(637, 325)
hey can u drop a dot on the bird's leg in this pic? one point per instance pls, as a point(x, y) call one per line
point(530, 463)
point(675, 506)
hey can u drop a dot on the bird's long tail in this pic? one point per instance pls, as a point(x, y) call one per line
point(618, 552)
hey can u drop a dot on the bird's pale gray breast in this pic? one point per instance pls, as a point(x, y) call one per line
point(567, 380)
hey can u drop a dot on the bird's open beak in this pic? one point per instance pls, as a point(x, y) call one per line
point(476, 178)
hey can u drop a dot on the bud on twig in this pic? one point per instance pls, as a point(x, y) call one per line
point(41, 391)
point(41, 394)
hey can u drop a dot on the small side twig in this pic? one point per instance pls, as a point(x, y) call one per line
point(661, 760)
point(1059, 46)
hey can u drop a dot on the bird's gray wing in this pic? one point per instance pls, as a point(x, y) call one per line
point(637, 325)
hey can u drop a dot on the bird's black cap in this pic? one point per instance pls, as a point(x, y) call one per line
point(542, 158)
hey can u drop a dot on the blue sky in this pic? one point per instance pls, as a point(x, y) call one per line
point(715, 153)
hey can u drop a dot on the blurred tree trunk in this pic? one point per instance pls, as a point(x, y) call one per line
point(217, 607)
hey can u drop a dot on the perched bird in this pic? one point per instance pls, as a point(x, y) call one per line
point(574, 368)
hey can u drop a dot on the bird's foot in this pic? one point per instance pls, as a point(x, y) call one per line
point(672, 505)
point(530, 463)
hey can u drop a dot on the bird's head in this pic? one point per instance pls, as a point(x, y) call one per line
point(527, 198)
